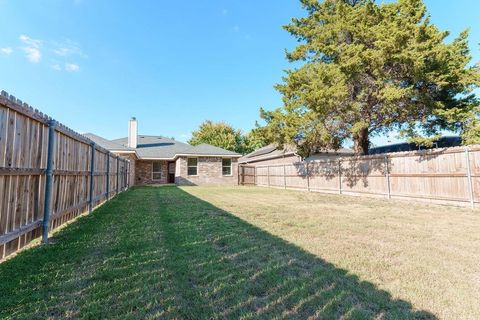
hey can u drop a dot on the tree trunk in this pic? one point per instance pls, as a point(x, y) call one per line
point(361, 142)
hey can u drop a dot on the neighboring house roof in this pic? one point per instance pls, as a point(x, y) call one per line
point(107, 144)
point(157, 147)
point(342, 152)
point(268, 152)
point(443, 142)
point(273, 152)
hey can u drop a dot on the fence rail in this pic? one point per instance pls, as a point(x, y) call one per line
point(49, 175)
point(448, 176)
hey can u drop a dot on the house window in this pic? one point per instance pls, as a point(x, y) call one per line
point(227, 167)
point(192, 164)
point(157, 170)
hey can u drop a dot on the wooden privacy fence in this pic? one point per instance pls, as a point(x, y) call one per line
point(48, 174)
point(449, 176)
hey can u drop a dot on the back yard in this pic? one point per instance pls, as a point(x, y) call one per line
point(206, 252)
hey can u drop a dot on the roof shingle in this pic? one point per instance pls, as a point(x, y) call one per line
point(157, 147)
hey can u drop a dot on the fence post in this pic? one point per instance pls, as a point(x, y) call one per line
point(121, 176)
point(92, 175)
point(387, 175)
point(49, 180)
point(308, 175)
point(128, 174)
point(124, 167)
point(469, 177)
point(340, 176)
point(108, 176)
point(284, 176)
point(239, 174)
point(255, 183)
point(268, 176)
point(117, 174)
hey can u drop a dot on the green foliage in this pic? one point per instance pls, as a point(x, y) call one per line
point(304, 130)
point(223, 135)
point(219, 134)
point(370, 68)
point(471, 127)
point(254, 140)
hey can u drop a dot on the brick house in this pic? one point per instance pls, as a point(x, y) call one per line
point(160, 160)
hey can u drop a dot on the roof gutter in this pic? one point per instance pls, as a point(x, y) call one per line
point(190, 155)
point(123, 151)
point(209, 155)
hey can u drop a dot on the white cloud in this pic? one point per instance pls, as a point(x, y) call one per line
point(67, 48)
point(72, 67)
point(6, 50)
point(63, 51)
point(30, 42)
point(32, 48)
point(59, 53)
point(33, 54)
point(56, 67)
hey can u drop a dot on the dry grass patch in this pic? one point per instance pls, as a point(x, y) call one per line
point(425, 254)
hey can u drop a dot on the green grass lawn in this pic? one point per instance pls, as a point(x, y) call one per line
point(216, 253)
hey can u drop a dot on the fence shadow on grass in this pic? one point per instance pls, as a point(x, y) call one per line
point(163, 253)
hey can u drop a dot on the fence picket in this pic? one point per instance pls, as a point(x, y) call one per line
point(387, 175)
point(46, 175)
point(436, 175)
point(469, 177)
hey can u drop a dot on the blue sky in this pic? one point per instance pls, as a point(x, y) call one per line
point(93, 64)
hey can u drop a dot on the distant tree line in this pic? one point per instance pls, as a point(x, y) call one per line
point(223, 135)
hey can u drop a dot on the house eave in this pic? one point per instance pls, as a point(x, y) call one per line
point(123, 151)
point(209, 155)
point(189, 155)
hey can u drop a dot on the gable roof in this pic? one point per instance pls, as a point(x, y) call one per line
point(158, 147)
point(268, 152)
point(208, 149)
point(272, 152)
point(107, 144)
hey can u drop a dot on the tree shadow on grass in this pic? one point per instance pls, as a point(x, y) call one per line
point(163, 253)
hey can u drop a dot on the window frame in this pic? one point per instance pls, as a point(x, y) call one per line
point(189, 166)
point(230, 166)
point(156, 172)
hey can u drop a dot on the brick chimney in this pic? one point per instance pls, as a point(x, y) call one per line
point(132, 132)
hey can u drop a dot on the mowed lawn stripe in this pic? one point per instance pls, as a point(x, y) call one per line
point(189, 253)
point(110, 264)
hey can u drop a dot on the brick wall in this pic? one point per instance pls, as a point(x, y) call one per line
point(143, 173)
point(209, 172)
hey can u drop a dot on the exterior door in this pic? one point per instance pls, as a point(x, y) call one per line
point(171, 172)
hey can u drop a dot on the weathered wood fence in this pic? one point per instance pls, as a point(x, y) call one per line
point(49, 174)
point(448, 176)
